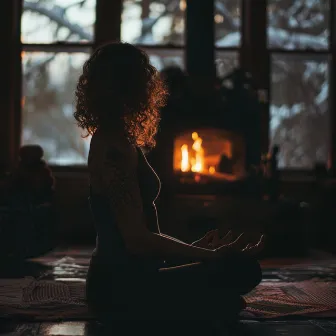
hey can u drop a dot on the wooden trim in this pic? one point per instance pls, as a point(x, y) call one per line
point(200, 40)
point(300, 51)
point(17, 80)
point(228, 49)
point(255, 57)
point(10, 101)
point(58, 47)
point(161, 46)
point(108, 21)
point(332, 161)
point(244, 29)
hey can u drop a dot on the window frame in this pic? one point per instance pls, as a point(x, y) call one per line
point(170, 48)
point(254, 54)
point(106, 28)
point(332, 98)
point(292, 173)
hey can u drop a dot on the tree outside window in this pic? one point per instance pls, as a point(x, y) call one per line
point(50, 70)
point(298, 40)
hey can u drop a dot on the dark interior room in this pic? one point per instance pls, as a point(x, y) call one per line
point(226, 114)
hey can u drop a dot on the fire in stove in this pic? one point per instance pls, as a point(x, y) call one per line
point(194, 163)
point(202, 156)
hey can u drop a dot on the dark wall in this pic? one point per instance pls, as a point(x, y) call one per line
point(76, 225)
point(71, 205)
point(10, 93)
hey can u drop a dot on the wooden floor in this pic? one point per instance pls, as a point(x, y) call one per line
point(290, 327)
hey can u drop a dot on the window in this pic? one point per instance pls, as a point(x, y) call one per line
point(227, 22)
point(47, 113)
point(298, 24)
point(300, 111)
point(162, 58)
point(157, 27)
point(56, 36)
point(150, 22)
point(50, 21)
point(226, 61)
point(298, 41)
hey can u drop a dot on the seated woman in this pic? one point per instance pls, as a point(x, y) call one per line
point(119, 96)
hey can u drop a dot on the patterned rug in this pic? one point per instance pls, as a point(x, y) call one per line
point(306, 289)
point(29, 298)
point(279, 299)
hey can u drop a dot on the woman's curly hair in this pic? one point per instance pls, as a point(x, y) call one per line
point(119, 86)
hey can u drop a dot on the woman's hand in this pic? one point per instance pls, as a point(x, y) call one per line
point(217, 242)
point(239, 245)
point(212, 240)
point(209, 241)
point(226, 244)
point(256, 248)
point(235, 246)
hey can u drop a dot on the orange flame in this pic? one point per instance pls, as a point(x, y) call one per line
point(197, 162)
point(194, 160)
point(185, 166)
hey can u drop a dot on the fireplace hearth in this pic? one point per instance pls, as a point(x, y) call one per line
point(208, 141)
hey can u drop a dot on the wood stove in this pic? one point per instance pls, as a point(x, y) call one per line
point(202, 155)
point(201, 149)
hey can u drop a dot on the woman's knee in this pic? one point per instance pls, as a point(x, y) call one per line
point(241, 272)
point(250, 272)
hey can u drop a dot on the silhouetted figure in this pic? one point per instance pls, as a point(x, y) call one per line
point(27, 228)
point(33, 177)
point(226, 162)
point(175, 80)
point(119, 96)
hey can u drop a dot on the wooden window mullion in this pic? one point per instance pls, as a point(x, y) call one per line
point(255, 56)
point(108, 21)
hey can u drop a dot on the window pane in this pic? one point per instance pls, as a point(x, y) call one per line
point(48, 21)
point(298, 24)
point(151, 22)
point(49, 82)
point(226, 61)
point(228, 23)
point(162, 58)
point(299, 120)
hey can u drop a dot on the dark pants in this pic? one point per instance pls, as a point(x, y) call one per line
point(204, 290)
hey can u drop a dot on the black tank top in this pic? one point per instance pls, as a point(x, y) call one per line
point(110, 247)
